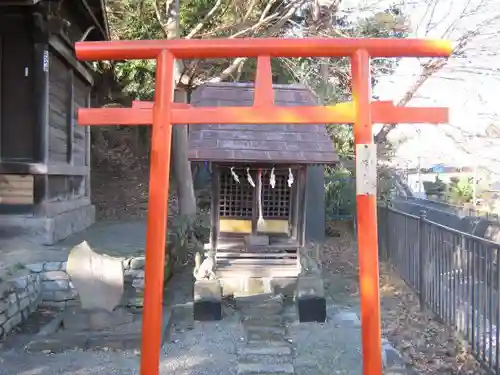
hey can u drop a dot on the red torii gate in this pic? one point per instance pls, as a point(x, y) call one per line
point(163, 113)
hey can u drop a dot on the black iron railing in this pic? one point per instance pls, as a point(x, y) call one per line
point(456, 275)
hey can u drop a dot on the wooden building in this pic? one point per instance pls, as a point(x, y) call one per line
point(44, 154)
point(257, 229)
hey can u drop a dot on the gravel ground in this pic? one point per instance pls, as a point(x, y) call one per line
point(211, 349)
point(191, 349)
point(330, 348)
point(208, 349)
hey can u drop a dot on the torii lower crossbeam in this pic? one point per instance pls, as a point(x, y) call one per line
point(141, 113)
point(165, 113)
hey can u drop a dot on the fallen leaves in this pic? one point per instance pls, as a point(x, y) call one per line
point(428, 345)
point(123, 196)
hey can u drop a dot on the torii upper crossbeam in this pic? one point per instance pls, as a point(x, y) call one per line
point(164, 113)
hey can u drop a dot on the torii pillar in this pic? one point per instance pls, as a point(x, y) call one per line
point(164, 113)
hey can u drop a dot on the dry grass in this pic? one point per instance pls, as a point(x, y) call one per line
point(430, 346)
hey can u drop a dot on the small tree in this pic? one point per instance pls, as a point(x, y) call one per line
point(459, 190)
point(436, 188)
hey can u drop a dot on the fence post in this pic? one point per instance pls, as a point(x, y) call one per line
point(422, 254)
point(387, 231)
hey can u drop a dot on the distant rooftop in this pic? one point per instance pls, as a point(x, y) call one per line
point(273, 143)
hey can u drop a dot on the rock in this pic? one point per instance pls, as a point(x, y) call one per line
point(207, 290)
point(78, 319)
point(310, 286)
point(35, 267)
point(54, 275)
point(14, 321)
point(264, 368)
point(267, 350)
point(52, 266)
point(97, 278)
point(207, 300)
point(103, 319)
point(137, 263)
point(259, 334)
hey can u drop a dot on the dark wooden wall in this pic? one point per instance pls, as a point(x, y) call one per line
point(68, 143)
point(59, 106)
point(44, 154)
point(81, 100)
point(67, 93)
point(16, 87)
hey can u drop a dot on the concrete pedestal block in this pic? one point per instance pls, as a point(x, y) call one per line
point(207, 300)
point(312, 309)
point(310, 299)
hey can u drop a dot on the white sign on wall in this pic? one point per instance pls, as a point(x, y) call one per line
point(46, 61)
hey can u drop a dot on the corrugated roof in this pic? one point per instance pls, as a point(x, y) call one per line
point(288, 143)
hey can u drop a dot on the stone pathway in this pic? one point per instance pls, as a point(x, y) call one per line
point(266, 349)
point(275, 343)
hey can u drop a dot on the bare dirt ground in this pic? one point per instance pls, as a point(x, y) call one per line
point(429, 346)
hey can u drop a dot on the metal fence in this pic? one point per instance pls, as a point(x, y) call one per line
point(456, 275)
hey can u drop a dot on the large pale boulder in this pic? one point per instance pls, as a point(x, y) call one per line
point(97, 278)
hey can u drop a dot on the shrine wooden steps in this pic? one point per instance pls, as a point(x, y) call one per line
point(256, 271)
point(253, 273)
point(256, 265)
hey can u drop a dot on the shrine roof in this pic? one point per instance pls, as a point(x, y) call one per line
point(273, 143)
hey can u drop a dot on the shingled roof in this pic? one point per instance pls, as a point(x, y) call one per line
point(288, 143)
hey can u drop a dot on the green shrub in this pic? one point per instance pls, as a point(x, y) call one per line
point(436, 188)
point(340, 194)
point(460, 190)
point(186, 236)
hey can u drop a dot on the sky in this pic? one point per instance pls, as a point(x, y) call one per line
point(468, 86)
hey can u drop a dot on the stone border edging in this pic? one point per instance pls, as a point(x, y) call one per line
point(48, 284)
point(19, 297)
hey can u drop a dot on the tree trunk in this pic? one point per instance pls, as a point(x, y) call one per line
point(181, 166)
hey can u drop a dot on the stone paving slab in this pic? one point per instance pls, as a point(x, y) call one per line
point(264, 368)
point(126, 336)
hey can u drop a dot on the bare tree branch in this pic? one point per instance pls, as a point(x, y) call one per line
point(263, 21)
point(431, 67)
point(249, 10)
point(226, 73)
point(205, 19)
point(167, 19)
point(266, 9)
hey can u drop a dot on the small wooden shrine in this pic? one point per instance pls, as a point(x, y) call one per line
point(44, 154)
point(260, 180)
